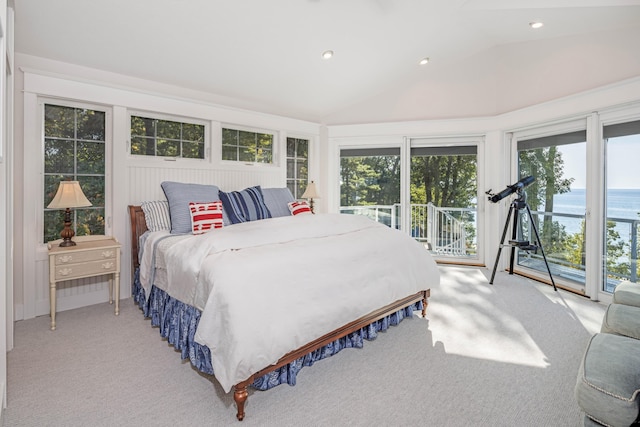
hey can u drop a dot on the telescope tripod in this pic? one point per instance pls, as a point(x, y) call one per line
point(517, 205)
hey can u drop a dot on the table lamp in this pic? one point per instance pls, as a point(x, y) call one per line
point(69, 195)
point(311, 193)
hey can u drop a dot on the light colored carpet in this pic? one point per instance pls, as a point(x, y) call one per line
point(501, 355)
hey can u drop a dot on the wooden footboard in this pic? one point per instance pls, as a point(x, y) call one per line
point(240, 393)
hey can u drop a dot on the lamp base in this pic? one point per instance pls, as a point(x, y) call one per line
point(66, 243)
point(67, 232)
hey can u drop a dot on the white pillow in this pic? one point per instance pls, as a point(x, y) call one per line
point(205, 216)
point(298, 208)
point(156, 215)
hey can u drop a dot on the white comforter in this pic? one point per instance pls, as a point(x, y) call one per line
point(268, 287)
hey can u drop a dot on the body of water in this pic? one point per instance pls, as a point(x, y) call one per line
point(622, 204)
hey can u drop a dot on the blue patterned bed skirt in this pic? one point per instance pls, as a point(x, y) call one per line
point(178, 323)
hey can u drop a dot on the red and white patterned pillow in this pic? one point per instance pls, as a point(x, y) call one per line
point(298, 208)
point(205, 216)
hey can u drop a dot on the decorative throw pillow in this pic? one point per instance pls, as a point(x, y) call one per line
point(298, 208)
point(245, 205)
point(179, 195)
point(205, 216)
point(277, 200)
point(156, 215)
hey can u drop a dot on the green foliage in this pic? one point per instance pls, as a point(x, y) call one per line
point(370, 180)
point(166, 138)
point(244, 146)
point(444, 180)
point(547, 166)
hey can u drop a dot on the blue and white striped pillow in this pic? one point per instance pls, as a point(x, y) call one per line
point(245, 205)
point(156, 215)
point(277, 200)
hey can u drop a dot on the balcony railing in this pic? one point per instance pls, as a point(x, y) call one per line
point(438, 228)
point(452, 231)
point(561, 265)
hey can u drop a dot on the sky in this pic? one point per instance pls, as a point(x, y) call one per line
point(623, 161)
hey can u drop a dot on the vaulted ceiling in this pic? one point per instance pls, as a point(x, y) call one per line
point(485, 59)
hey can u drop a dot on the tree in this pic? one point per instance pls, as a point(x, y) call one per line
point(547, 166)
point(444, 180)
point(370, 180)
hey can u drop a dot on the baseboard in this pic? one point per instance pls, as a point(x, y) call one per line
point(71, 302)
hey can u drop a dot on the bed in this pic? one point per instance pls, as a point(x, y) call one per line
point(211, 294)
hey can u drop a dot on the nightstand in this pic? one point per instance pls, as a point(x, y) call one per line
point(92, 256)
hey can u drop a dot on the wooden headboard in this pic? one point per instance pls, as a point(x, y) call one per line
point(138, 227)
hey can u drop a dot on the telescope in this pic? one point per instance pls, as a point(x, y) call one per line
point(495, 198)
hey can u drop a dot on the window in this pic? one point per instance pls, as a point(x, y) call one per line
point(74, 149)
point(166, 138)
point(246, 146)
point(297, 166)
point(370, 184)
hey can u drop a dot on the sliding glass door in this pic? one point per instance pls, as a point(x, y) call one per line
point(557, 199)
point(622, 202)
point(444, 192)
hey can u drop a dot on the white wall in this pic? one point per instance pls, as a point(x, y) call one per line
point(130, 180)
point(6, 193)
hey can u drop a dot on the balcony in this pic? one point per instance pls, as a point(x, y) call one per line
point(451, 232)
point(621, 258)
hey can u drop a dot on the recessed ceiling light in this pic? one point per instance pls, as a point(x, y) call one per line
point(536, 25)
point(327, 54)
point(423, 61)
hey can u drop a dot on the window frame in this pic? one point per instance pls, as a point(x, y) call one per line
point(570, 125)
point(609, 118)
point(173, 118)
point(295, 159)
point(108, 161)
point(454, 143)
point(275, 146)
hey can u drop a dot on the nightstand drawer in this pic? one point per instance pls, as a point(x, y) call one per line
point(85, 256)
point(92, 268)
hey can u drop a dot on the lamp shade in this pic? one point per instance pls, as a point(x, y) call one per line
point(311, 192)
point(69, 195)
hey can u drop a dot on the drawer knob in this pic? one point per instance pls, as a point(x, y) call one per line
point(65, 271)
point(65, 258)
point(107, 265)
point(107, 254)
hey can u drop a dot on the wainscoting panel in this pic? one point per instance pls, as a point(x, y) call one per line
point(144, 182)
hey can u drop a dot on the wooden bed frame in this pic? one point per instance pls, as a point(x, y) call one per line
point(240, 394)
